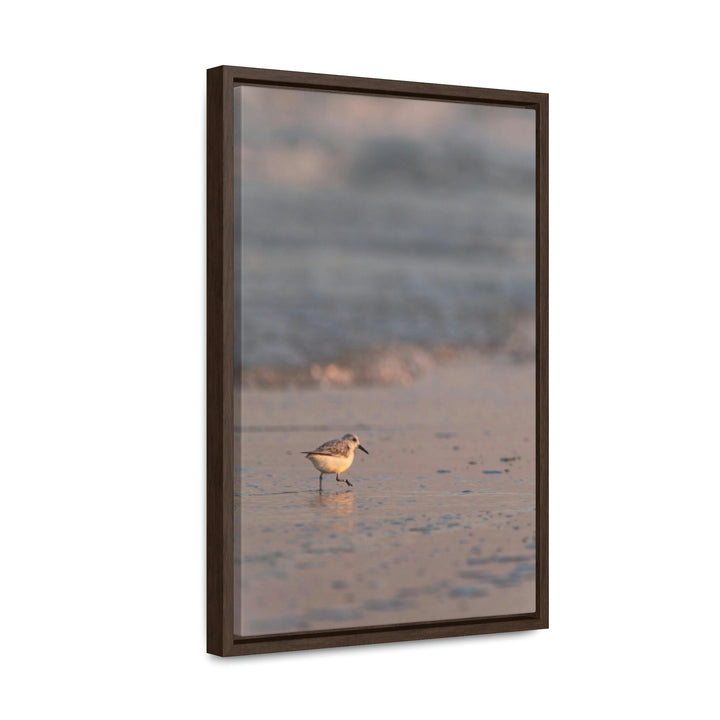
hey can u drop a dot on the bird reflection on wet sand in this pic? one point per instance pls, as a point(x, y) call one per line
point(340, 503)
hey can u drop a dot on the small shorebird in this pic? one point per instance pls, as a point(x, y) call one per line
point(335, 456)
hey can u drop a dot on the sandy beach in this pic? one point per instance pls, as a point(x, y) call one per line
point(439, 522)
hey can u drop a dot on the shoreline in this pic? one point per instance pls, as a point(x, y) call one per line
point(397, 363)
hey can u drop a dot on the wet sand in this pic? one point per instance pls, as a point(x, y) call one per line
point(439, 522)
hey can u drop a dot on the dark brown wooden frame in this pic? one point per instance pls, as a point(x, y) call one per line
point(221, 639)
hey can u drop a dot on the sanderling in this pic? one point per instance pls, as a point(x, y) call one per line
point(335, 456)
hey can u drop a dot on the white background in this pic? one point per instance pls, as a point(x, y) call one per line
point(102, 282)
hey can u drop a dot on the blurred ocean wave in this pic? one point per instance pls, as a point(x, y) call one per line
point(371, 232)
point(393, 364)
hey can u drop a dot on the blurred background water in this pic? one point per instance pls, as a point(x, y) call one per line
point(364, 222)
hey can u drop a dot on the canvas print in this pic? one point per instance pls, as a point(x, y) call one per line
point(384, 360)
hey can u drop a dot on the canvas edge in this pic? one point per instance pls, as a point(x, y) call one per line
point(219, 515)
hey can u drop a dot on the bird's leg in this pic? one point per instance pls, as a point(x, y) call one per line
point(320, 488)
point(339, 479)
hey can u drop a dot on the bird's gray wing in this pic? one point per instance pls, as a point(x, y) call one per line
point(333, 448)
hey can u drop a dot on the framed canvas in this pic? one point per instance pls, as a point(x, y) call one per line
point(377, 360)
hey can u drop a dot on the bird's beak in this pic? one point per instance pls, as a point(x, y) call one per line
point(360, 447)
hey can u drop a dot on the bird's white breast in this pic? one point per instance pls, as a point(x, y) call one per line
point(331, 464)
